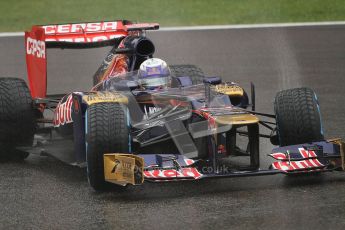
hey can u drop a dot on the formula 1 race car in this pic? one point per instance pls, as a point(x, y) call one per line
point(144, 120)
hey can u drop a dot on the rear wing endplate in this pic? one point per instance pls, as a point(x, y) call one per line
point(73, 35)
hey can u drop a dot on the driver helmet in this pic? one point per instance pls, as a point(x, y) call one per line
point(154, 73)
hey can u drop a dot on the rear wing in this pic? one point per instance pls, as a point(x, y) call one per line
point(73, 35)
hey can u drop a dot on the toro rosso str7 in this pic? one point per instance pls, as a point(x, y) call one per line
point(171, 123)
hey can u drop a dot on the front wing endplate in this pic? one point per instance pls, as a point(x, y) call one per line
point(123, 169)
point(342, 150)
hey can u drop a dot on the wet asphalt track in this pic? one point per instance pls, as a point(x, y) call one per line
point(44, 193)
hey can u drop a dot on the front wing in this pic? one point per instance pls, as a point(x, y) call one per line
point(321, 156)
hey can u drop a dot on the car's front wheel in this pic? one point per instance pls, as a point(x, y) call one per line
point(298, 116)
point(106, 132)
point(195, 74)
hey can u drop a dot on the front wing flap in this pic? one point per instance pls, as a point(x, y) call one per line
point(316, 156)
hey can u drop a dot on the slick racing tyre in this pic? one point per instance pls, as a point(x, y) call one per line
point(298, 117)
point(192, 71)
point(17, 118)
point(106, 132)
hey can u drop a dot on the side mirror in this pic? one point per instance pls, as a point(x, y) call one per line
point(132, 85)
point(212, 80)
point(184, 81)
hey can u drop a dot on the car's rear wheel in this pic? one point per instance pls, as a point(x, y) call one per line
point(17, 118)
point(193, 72)
point(106, 132)
point(298, 116)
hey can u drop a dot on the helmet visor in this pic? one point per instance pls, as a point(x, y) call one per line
point(154, 82)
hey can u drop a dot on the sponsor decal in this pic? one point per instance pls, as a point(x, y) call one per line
point(279, 156)
point(116, 164)
point(84, 32)
point(229, 89)
point(149, 110)
point(297, 165)
point(305, 154)
point(35, 47)
point(123, 169)
point(308, 161)
point(173, 173)
point(221, 149)
point(63, 112)
point(104, 97)
point(80, 28)
point(152, 71)
point(189, 161)
point(86, 38)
